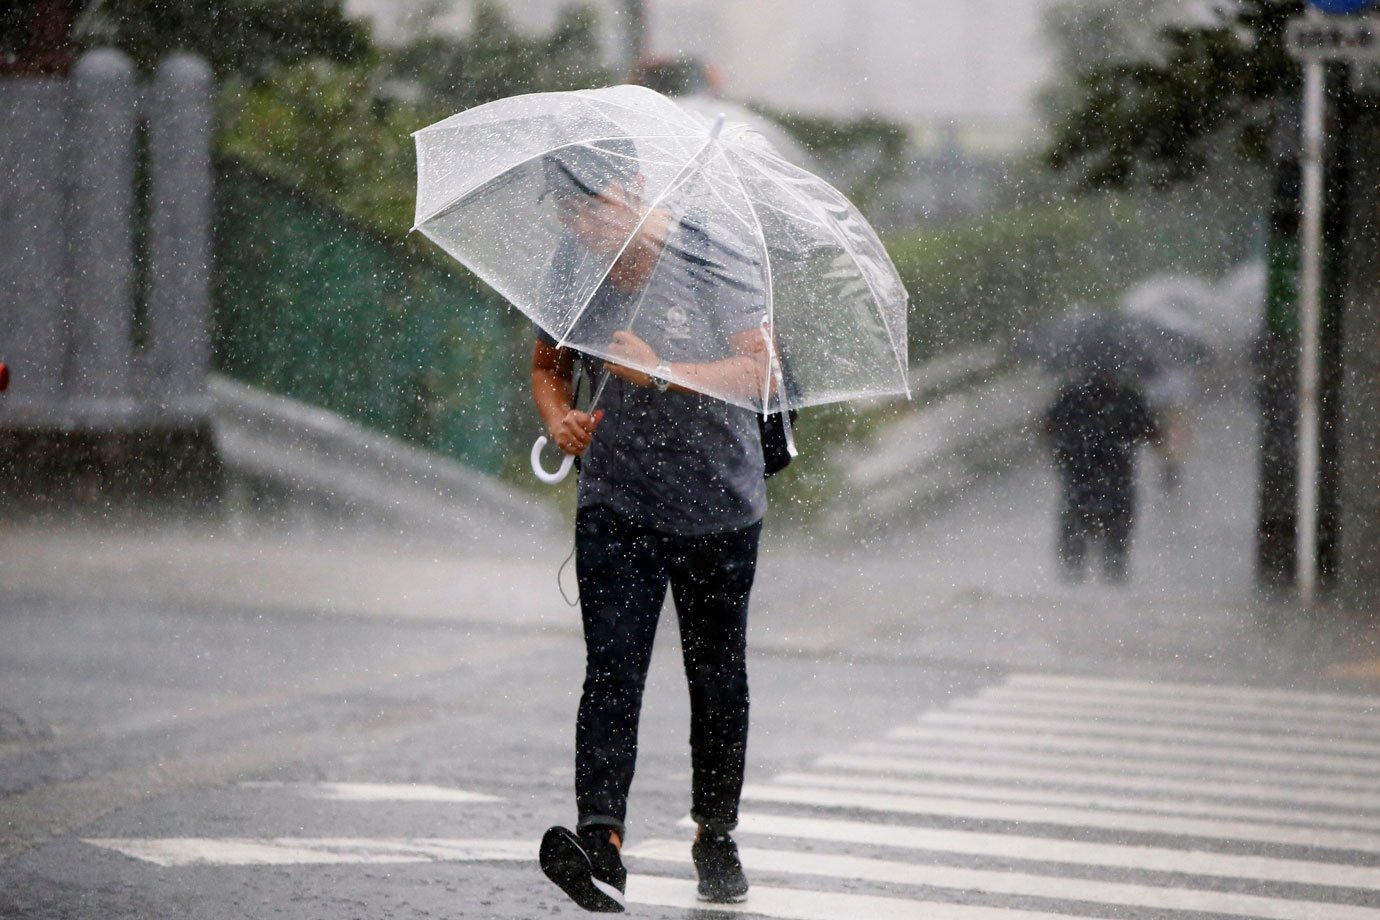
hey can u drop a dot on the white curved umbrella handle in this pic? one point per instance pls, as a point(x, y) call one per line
point(541, 473)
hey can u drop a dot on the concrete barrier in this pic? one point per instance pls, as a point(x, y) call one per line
point(286, 458)
point(965, 427)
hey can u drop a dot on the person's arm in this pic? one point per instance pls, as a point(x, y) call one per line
point(740, 374)
point(571, 430)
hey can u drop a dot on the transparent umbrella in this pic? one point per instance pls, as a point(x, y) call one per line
point(615, 219)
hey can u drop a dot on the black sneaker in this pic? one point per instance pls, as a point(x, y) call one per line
point(585, 866)
point(721, 873)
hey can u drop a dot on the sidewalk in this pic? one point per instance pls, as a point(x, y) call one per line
point(974, 583)
point(977, 582)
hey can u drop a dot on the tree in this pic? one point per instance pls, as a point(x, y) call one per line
point(494, 59)
point(341, 132)
point(1207, 86)
point(247, 37)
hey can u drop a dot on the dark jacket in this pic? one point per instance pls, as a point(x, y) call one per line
point(1094, 427)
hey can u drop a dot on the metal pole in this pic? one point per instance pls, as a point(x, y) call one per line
point(1310, 309)
point(634, 33)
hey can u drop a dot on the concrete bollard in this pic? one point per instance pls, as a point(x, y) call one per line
point(179, 235)
point(100, 272)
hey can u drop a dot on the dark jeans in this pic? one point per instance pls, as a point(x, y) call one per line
point(623, 570)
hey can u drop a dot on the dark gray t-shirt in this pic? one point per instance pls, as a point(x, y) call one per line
point(680, 463)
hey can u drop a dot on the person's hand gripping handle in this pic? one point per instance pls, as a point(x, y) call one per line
point(572, 436)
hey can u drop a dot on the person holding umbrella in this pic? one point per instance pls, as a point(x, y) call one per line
point(671, 493)
point(710, 286)
point(1094, 426)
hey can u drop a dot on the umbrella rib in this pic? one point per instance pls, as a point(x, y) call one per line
point(802, 218)
point(729, 207)
point(676, 182)
point(843, 242)
point(453, 202)
point(769, 152)
point(771, 295)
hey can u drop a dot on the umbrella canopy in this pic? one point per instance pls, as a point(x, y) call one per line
point(710, 108)
point(599, 211)
point(1108, 341)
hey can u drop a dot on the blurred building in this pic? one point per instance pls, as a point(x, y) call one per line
point(961, 73)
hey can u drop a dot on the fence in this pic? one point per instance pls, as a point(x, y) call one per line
point(105, 246)
point(311, 306)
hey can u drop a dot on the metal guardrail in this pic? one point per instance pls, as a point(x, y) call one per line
point(974, 415)
point(321, 460)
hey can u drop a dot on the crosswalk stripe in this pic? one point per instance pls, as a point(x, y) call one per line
point(1141, 772)
point(377, 792)
point(1296, 721)
point(788, 862)
point(796, 904)
point(1362, 714)
point(1207, 693)
point(1072, 852)
point(995, 737)
point(1139, 823)
point(283, 851)
point(1134, 803)
point(1228, 739)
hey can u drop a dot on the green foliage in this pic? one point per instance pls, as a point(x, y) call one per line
point(318, 128)
point(985, 280)
point(1164, 119)
point(342, 133)
point(14, 25)
point(247, 37)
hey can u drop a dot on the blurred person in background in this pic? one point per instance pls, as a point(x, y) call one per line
point(1094, 427)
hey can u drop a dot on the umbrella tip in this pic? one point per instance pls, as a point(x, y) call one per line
point(718, 126)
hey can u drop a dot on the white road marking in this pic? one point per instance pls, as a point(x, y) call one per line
point(285, 851)
point(1224, 738)
point(824, 865)
point(994, 736)
point(1209, 694)
point(1154, 805)
point(1072, 852)
point(1131, 822)
point(1140, 772)
point(797, 904)
point(1220, 756)
point(1001, 699)
point(377, 792)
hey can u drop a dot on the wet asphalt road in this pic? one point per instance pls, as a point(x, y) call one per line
point(187, 731)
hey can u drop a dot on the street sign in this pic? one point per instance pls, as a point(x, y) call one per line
point(1342, 6)
point(1334, 38)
